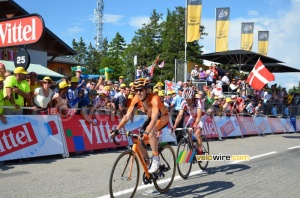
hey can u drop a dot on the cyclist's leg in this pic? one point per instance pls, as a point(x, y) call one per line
point(145, 138)
point(198, 134)
point(161, 123)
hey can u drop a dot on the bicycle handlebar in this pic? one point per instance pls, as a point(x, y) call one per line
point(114, 133)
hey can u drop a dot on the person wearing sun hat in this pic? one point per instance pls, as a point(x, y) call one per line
point(81, 82)
point(42, 97)
point(16, 89)
point(60, 99)
point(88, 105)
point(74, 93)
point(121, 80)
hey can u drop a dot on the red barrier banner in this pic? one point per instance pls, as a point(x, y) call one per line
point(210, 129)
point(247, 125)
point(82, 136)
point(276, 125)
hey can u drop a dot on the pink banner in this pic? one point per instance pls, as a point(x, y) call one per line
point(276, 125)
point(247, 126)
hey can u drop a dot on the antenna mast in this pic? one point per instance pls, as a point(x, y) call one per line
point(99, 23)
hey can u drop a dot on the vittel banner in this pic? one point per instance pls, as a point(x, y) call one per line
point(21, 31)
point(31, 136)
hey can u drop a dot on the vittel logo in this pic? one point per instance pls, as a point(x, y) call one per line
point(21, 31)
point(99, 134)
point(16, 138)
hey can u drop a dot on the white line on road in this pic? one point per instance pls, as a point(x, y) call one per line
point(178, 177)
point(149, 185)
point(257, 156)
point(294, 147)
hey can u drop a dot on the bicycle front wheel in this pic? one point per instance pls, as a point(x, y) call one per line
point(184, 168)
point(124, 177)
point(205, 148)
point(168, 168)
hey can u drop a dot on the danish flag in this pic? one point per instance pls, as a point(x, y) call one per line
point(259, 76)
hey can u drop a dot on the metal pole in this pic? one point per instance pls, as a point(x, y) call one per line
point(185, 43)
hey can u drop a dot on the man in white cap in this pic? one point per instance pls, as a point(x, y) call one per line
point(195, 73)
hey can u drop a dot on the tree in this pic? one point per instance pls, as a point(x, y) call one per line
point(114, 58)
point(81, 49)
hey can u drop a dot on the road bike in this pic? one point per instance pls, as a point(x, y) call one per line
point(185, 155)
point(125, 174)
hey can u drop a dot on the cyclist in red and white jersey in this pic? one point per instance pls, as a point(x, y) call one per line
point(193, 107)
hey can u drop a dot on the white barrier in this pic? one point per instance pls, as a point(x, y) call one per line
point(28, 136)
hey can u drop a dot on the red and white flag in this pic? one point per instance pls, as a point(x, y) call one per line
point(259, 76)
point(151, 68)
point(161, 64)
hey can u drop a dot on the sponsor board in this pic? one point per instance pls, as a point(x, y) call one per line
point(31, 136)
point(227, 126)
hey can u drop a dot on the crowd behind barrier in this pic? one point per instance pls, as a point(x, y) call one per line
point(28, 136)
point(84, 110)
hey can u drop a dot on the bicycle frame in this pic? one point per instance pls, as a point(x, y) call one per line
point(136, 149)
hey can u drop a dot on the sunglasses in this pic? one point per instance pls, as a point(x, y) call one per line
point(139, 90)
point(47, 83)
point(93, 84)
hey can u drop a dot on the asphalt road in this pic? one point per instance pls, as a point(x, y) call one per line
point(273, 171)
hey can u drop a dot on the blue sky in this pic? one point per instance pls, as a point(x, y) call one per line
point(74, 19)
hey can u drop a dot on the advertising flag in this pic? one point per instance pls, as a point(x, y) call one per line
point(222, 26)
point(263, 42)
point(194, 8)
point(247, 36)
point(259, 76)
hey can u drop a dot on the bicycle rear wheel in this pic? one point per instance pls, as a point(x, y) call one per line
point(184, 168)
point(167, 169)
point(124, 177)
point(205, 148)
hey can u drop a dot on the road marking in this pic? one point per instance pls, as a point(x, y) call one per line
point(294, 147)
point(257, 156)
point(149, 185)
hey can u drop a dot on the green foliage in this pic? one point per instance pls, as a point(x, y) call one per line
point(158, 36)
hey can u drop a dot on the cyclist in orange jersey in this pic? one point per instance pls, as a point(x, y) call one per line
point(156, 111)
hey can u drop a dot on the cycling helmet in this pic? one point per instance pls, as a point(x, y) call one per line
point(188, 93)
point(141, 83)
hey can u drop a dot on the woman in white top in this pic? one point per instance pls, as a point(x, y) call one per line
point(42, 97)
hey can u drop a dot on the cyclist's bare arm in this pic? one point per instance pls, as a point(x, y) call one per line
point(198, 118)
point(178, 118)
point(126, 118)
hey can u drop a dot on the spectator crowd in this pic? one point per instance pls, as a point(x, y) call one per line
point(221, 94)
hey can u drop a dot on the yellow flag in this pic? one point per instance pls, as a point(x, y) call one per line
point(247, 36)
point(263, 42)
point(194, 8)
point(222, 20)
